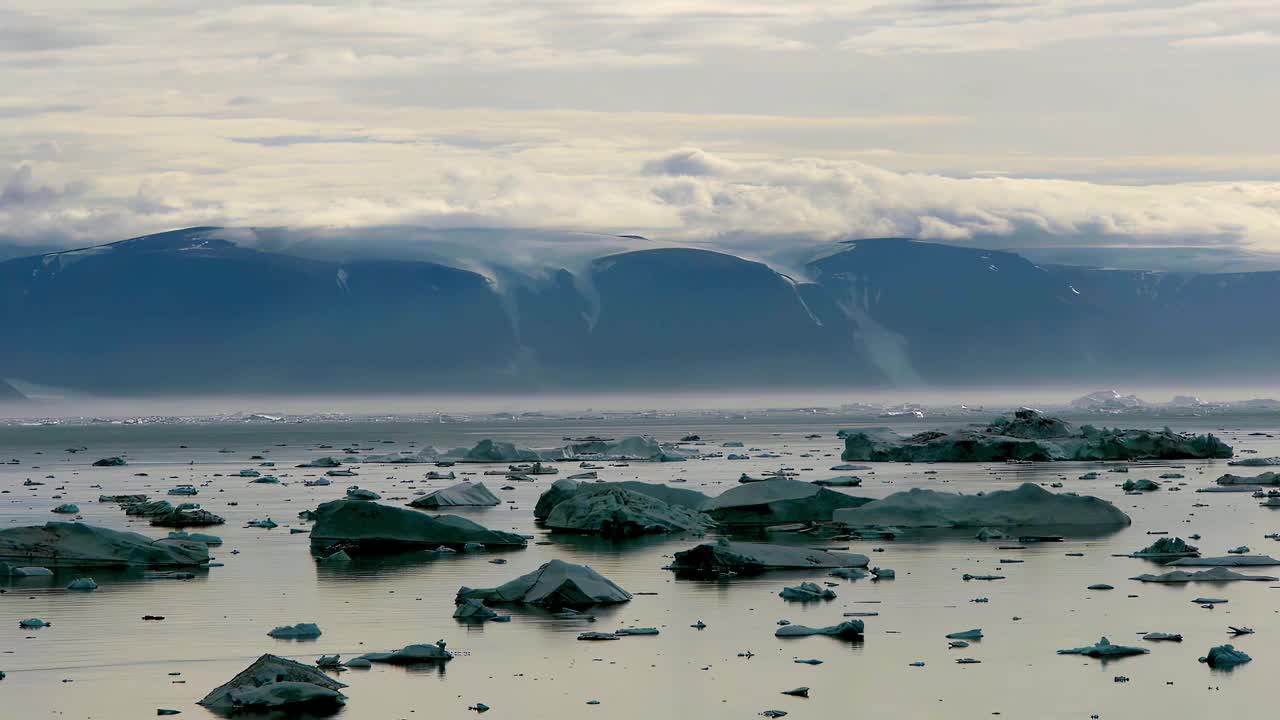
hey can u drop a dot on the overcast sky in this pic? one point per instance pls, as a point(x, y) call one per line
point(1046, 121)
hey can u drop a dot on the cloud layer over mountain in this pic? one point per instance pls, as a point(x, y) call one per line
point(1044, 122)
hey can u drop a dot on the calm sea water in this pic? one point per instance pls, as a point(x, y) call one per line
point(101, 660)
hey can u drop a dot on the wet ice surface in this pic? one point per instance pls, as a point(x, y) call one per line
point(533, 667)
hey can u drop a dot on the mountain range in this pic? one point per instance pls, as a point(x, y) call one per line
point(193, 311)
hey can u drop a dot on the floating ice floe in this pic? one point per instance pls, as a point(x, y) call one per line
point(71, 545)
point(274, 682)
point(301, 631)
point(1104, 649)
point(372, 526)
point(848, 629)
point(186, 517)
point(1028, 435)
point(616, 511)
point(1225, 656)
point(463, 494)
point(1215, 574)
point(726, 556)
point(1028, 505)
point(411, 655)
point(807, 591)
point(1266, 478)
point(554, 584)
point(355, 492)
point(1226, 561)
point(778, 501)
point(566, 488)
point(1167, 547)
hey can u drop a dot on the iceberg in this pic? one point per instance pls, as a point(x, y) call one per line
point(1028, 505)
point(726, 556)
point(807, 592)
point(425, 455)
point(616, 511)
point(301, 631)
point(67, 509)
point(464, 494)
point(196, 537)
point(849, 629)
point(490, 451)
point(323, 462)
point(554, 584)
point(122, 499)
point(840, 481)
point(1028, 436)
point(372, 526)
point(1167, 547)
point(1256, 462)
point(287, 695)
point(250, 686)
point(1143, 485)
point(632, 448)
point(1225, 656)
point(191, 517)
point(566, 488)
point(780, 501)
point(110, 462)
point(474, 609)
point(355, 492)
point(1104, 649)
point(1216, 574)
point(1266, 478)
point(412, 655)
point(1226, 561)
point(77, 545)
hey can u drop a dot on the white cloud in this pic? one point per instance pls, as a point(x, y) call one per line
point(1244, 39)
point(687, 119)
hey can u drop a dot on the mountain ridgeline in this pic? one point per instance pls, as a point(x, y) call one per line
point(186, 311)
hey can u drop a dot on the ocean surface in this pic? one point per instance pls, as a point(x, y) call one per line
point(100, 660)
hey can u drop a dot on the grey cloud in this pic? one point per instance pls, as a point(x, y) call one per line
point(287, 140)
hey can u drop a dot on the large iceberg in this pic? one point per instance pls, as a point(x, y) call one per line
point(412, 655)
point(1266, 478)
point(1028, 435)
point(1107, 401)
point(464, 494)
point(564, 489)
point(1225, 656)
point(252, 687)
point(373, 526)
point(849, 629)
point(1104, 649)
point(491, 451)
point(76, 545)
point(774, 502)
point(1026, 506)
point(1215, 574)
point(1227, 561)
point(617, 512)
point(631, 448)
point(726, 556)
point(554, 584)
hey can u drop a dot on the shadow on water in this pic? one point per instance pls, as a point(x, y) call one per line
point(309, 713)
point(585, 546)
point(378, 566)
